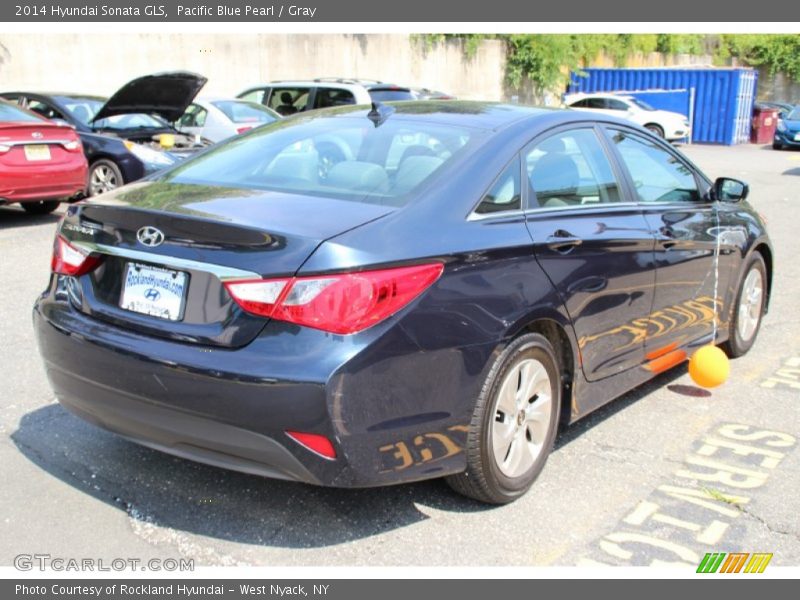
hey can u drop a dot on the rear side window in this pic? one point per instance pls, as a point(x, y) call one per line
point(597, 103)
point(195, 116)
point(658, 175)
point(617, 104)
point(329, 97)
point(288, 101)
point(44, 109)
point(345, 158)
point(570, 168)
point(253, 96)
point(9, 112)
point(245, 112)
point(505, 194)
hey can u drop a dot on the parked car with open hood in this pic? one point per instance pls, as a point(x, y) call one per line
point(787, 132)
point(218, 118)
point(665, 124)
point(41, 162)
point(128, 135)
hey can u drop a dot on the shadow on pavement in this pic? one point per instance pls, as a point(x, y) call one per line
point(14, 216)
point(159, 489)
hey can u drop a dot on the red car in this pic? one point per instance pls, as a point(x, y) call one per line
point(41, 162)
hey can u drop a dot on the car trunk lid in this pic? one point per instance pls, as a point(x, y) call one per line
point(204, 236)
point(35, 144)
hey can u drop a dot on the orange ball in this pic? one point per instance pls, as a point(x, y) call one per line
point(709, 367)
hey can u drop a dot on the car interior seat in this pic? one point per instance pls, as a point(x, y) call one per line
point(413, 171)
point(287, 106)
point(295, 168)
point(555, 178)
point(355, 175)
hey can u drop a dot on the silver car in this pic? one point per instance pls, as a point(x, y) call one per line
point(218, 118)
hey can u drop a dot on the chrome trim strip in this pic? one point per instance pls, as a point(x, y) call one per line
point(182, 264)
point(34, 142)
point(604, 206)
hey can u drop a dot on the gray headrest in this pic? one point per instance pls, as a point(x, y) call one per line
point(413, 170)
point(358, 175)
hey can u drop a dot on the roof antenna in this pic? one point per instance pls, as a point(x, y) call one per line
point(379, 113)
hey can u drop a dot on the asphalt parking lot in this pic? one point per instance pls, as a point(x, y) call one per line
point(665, 474)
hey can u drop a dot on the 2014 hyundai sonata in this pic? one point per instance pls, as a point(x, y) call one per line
point(464, 279)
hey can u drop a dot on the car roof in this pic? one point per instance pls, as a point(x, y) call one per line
point(200, 99)
point(56, 95)
point(308, 83)
point(459, 113)
point(581, 96)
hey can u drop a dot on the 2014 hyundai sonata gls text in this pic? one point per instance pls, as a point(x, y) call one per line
point(460, 281)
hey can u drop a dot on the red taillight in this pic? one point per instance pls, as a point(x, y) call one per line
point(69, 260)
point(73, 146)
point(244, 128)
point(314, 442)
point(340, 303)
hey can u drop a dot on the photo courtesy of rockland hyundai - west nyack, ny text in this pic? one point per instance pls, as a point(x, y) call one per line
point(312, 309)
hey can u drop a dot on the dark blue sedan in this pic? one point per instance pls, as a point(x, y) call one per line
point(787, 133)
point(463, 280)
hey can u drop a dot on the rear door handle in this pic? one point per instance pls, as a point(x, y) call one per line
point(667, 239)
point(563, 241)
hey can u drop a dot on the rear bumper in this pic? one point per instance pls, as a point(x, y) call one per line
point(232, 408)
point(27, 185)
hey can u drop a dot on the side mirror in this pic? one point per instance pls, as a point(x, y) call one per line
point(730, 190)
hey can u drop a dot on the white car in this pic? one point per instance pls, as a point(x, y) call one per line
point(219, 118)
point(291, 97)
point(665, 124)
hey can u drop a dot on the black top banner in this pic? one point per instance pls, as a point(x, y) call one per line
point(452, 11)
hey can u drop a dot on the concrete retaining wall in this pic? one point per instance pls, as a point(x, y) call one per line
point(100, 63)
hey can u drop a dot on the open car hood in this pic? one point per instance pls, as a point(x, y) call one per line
point(165, 94)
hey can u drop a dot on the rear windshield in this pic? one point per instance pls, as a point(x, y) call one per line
point(390, 95)
point(240, 111)
point(9, 112)
point(345, 158)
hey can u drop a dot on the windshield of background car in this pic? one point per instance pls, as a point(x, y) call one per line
point(239, 111)
point(84, 109)
point(793, 115)
point(641, 104)
point(9, 112)
point(343, 158)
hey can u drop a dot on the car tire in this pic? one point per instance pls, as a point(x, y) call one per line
point(777, 146)
point(655, 129)
point(43, 207)
point(748, 309)
point(104, 176)
point(498, 470)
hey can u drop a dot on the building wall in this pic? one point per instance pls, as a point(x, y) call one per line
point(101, 63)
point(777, 87)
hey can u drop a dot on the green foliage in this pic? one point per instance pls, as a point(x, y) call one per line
point(778, 53)
point(545, 60)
